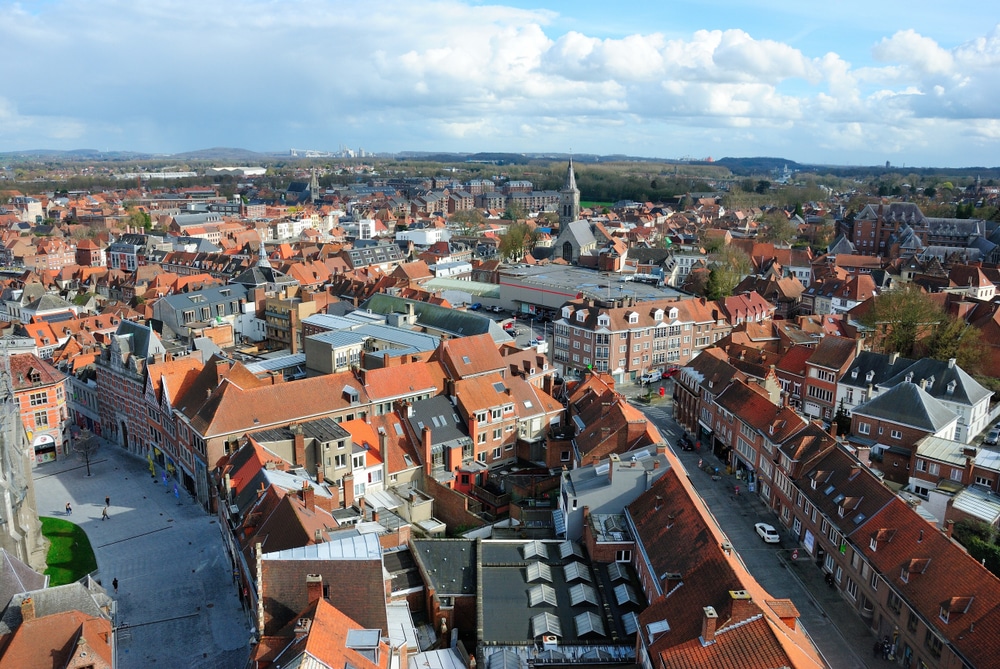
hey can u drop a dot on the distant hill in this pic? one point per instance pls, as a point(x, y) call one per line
point(74, 154)
point(756, 165)
point(222, 154)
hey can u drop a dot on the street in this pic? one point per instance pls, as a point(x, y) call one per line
point(845, 644)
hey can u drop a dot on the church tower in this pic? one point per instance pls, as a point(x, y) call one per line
point(569, 198)
point(313, 188)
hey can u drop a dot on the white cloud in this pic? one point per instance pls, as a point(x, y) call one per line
point(448, 74)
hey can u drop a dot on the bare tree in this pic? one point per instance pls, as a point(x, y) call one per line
point(87, 445)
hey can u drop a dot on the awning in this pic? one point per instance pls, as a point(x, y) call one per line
point(707, 428)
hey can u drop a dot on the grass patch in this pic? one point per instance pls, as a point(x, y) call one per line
point(70, 556)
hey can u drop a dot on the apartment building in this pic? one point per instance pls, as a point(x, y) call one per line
point(625, 338)
point(40, 392)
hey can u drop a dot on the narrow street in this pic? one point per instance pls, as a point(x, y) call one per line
point(845, 644)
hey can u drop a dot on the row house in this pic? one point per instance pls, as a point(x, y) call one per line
point(905, 579)
point(721, 612)
point(699, 382)
point(121, 385)
point(40, 393)
point(626, 339)
point(823, 369)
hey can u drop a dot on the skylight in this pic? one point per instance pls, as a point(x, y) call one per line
point(499, 387)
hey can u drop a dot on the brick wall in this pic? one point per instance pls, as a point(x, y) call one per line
point(451, 507)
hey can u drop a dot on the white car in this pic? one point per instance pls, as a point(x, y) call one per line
point(651, 376)
point(767, 533)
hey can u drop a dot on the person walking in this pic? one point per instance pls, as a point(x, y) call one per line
point(114, 584)
point(107, 501)
point(104, 513)
point(69, 509)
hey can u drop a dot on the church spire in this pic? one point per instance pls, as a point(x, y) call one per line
point(569, 198)
point(570, 177)
point(262, 260)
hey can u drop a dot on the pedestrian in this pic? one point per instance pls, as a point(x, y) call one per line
point(69, 509)
point(107, 501)
point(876, 648)
point(104, 513)
point(114, 584)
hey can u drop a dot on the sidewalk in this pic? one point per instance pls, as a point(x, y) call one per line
point(847, 643)
point(175, 588)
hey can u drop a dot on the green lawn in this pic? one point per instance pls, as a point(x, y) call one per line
point(70, 556)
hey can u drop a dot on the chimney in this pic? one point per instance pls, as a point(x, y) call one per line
point(314, 587)
point(949, 526)
point(308, 495)
point(743, 607)
point(348, 490)
point(383, 452)
point(661, 448)
point(27, 610)
point(833, 429)
point(299, 447)
point(951, 362)
point(428, 457)
point(709, 620)
point(374, 515)
point(613, 460)
point(473, 425)
point(893, 358)
point(403, 654)
point(656, 463)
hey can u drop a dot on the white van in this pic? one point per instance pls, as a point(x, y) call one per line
point(651, 376)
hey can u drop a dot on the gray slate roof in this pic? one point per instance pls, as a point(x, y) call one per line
point(966, 390)
point(908, 404)
point(880, 365)
point(86, 596)
point(17, 577)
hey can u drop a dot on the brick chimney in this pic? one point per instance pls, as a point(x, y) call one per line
point(308, 496)
point(348, 490)
point(314, 587)
point(27, 609)
point(949, 527)
point(709, 620)
point(299, 445)
point(743, 607)
point(428, 457)
point(383, 452)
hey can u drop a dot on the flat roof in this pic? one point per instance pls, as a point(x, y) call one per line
point(572, 281)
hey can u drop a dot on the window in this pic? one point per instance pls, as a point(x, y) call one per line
point(912, 621)
point(852, 589)
point(623, 556)
point(496, 453)
point(933, 644)
point(481, 439)
point(894, 603)
point(564, 456)
point(358, 461)
point(864, 428)
point(38, 399)
point(497, 433)
point(797, 527)
point(933, 468)
point(41, 419)
point(874, 580)
point(896, 434)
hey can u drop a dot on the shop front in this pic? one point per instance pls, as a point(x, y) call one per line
point(44, 448)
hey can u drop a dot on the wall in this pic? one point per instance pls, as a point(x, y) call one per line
point(451, 507)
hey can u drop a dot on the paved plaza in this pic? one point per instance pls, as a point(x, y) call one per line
point(176, 605)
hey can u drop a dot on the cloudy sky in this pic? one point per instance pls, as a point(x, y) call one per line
point(837, 82)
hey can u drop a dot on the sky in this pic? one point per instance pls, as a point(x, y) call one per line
point(840, 82)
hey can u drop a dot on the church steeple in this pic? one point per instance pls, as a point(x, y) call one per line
point(569, 198)
point(262, 260)
point(313, 187)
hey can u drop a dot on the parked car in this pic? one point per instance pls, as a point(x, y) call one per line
point(767, 533)
point(672, 372)
point(651, 376)
point(509, 327)
point(495, 309)
point(994, 436)
point(475, 306)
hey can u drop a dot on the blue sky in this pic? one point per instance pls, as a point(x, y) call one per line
point(841, 82)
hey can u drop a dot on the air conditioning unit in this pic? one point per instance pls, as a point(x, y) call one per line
point(550, 640)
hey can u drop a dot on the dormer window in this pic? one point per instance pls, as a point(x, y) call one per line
point(633, 318)
point(854, 373)
point(951, 386)
point(658, 315)
point(567, 312)
point(603, 320)
point(673, 315)
point(869, 376)
point(909, 377)
point(930, 383)
point(581, 316)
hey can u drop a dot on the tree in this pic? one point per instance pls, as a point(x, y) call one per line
point(729, 266)
point(514, 211)
point(763, 187)
point(777, 228)
point(519, 239)
point(468, 220)
point(954, 338)
point(87, 445)
point(900, 317)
